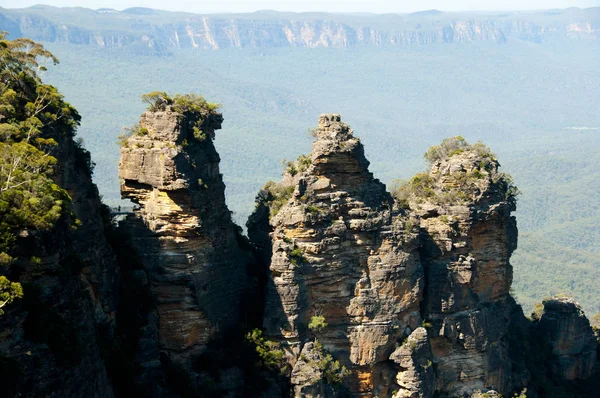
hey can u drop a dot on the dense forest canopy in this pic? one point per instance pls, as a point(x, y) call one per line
point(33, 116)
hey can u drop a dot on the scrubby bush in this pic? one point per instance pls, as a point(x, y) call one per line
point(455, 146)
point(457, 187)
point(317, 323)
point(296, 256)
point(300, 165)
point(269, 352)
point(276, 195)
point(333, 371)
point(180, 103)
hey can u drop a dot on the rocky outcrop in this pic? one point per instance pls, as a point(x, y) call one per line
point(468, 235)
point(417, 377)
point(183, 235)
point(343, 249)
point(153, 31)
point(340, 251)
point(365, 293)
point(565, 329)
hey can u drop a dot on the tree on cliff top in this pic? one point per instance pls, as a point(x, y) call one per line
point(33, 116)
point(477, 173)
point(180, 103)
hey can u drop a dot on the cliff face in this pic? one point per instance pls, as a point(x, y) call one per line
point(183, 235)
point(367, 293)
point(410, 293)
point(56, 341)
point(159, 31)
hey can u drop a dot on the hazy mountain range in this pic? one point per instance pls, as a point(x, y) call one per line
point(162, 31)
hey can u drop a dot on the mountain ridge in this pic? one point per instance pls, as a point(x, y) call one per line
point(161, 31)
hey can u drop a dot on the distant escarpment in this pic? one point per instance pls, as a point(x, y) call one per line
point(156, 31)
point(405, 294)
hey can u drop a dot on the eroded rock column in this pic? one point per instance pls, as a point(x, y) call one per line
point(341, 251)
point(183, 233)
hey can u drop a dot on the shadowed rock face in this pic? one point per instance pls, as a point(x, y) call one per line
point(340, 251)
point(53, 342)
point(468, 237)
point(183, 233)
point(564, 327)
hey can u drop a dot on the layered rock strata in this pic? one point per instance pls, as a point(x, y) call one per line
point(183, 234)
point(340, 251)
point(468, 236)
point(151, 33)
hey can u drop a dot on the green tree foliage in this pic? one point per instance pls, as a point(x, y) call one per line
point(270, 352)
point(275, 196)
point(333, 371)
point(317, 323)
point(180, 103)
point(299, 166)
point(33, 118)
point(460, 186)
point(8, 292)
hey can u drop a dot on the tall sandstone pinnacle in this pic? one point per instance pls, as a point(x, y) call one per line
point(468, 236)
point(341, 251)
point(183, 233)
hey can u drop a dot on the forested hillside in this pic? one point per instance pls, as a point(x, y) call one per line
point(531, 95)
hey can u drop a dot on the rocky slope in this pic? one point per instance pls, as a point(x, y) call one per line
point(183, 236)
point(159, 31)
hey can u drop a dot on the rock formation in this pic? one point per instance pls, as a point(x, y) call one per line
point(183, 234)
point(468, 235)
point(340, 250)
point(361, 292)
point(410, 293)
point(565, 329)
point(152, 31)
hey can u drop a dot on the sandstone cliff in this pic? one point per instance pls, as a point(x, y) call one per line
point(159, 31)
point(183, 235)
point(468, 236)
point(360, 291)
